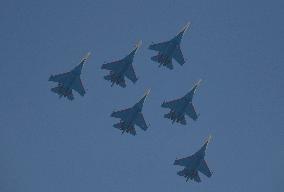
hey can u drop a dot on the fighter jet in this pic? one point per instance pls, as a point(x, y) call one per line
point(180, 107)
point(131, 117)
point(194, 164)
point(69, 81)
point(168, 50)
point(121, 68)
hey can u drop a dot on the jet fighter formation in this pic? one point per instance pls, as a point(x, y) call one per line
point(131, 117)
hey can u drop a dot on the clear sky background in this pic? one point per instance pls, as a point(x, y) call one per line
point(53, 145)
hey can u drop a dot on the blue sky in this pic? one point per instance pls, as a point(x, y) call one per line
point(50, 144)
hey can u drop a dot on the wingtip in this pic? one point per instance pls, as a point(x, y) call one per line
point(176, 161)
point(162, 105)
point(50, 78)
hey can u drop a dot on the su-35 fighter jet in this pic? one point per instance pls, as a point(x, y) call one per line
point(131, 117)
point(69, 81)
point(168, 50)
point(180, 107)
point(121, 69)
point(194, 164)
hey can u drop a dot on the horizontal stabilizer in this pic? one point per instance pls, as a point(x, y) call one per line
point(168, 115)
point(155, 58)
point(163, 60)
point(58, 91)
point(107, 77)
point(181, 173)
point(118, 125)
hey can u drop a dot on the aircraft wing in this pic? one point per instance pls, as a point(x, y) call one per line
point(130, 74)
point(197, 178)
point(184, 161)
point(190, 111)
point(123, 114)
point(60, 78)
point(159, 46)
point(122, 82)
point(182, 120)
point(178, 56)
point(203, 168)
point(132, 132)
point(113, 66)
point(78, 86)
point(170, 64)
point(140, 121)
point(172, 104)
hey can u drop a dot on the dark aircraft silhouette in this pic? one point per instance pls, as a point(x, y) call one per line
point(121, 69)
point(69, 81)
point(130, 117)
point(194, 164)
point(180, 107)
point(169, 50)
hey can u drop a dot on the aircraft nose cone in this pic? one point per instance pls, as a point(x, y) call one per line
point(184, 28)
point(138, 44)
point(204, 147)
point(148, 91)
point(146, 94)
point(187, 25)
point(136, 47)
point(87, 55)
point(78, 68)
point(142, 100)
point(196, 85)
